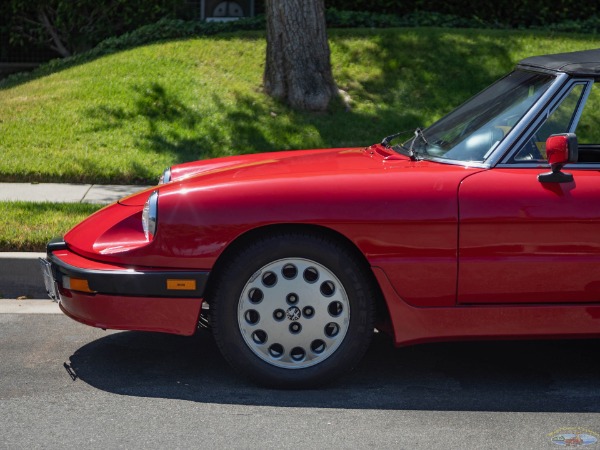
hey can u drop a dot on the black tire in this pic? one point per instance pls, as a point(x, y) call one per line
point(292, 310)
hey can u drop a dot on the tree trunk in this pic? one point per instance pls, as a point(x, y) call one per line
point(298, 68)
point(53, 33)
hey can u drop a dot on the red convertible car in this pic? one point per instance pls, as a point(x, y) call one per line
point(484, 225)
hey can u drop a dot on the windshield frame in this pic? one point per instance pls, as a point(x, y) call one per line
point(505, 144)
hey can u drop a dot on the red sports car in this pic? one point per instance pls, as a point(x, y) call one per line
point(469, 229)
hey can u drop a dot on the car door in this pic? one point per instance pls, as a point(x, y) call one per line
point(522, 241)
point(526, 241)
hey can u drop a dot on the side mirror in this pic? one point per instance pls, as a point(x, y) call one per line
point(560, 150)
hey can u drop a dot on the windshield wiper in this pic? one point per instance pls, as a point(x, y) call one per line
point(388, 139)
point(418, 134)
point(411, 152)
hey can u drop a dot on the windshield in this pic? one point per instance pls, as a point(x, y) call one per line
point(473, 130)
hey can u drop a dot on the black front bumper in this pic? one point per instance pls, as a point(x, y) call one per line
point(138, 282)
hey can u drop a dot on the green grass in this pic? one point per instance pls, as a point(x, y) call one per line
point(123, 118)
point(27, 227)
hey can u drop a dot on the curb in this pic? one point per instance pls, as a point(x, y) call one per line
point(20, 275)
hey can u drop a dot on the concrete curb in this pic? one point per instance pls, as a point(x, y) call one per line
point(20, 275)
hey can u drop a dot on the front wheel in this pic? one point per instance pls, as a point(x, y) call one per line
point(292, 310)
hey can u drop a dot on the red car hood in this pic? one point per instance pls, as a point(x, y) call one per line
point(296, 164)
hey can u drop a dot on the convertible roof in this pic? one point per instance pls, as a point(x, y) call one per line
point(585, 63)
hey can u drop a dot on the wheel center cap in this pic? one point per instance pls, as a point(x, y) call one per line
point(293, 313)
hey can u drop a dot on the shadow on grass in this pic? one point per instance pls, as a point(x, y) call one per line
point(409, 78)
point(436, 71)
point(242, 126)
point(178, 129)
point(415, 78)
point(527, 376)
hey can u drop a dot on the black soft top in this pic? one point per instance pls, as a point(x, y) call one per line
point(585, 63)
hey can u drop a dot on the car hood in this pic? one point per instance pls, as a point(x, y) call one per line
point(289, 164)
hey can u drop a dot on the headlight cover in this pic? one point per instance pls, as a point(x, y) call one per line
point(150, 216)
point(165, 177)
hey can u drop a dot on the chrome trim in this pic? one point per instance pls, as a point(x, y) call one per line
point(582, 166)
point(538, 165)
point(150, 215)
point(165, 177)
point(515, 136)
point(456, 162)
point(545, 166)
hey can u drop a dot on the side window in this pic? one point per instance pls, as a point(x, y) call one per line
point(588, 129)
point(561, 120)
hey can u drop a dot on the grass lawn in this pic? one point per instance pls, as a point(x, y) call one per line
point(123, 118)
point(27, 227)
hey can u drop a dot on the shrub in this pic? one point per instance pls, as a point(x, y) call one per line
point(73, 26)
point(525, 13)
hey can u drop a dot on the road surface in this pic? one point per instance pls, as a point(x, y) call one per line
point(66, 385)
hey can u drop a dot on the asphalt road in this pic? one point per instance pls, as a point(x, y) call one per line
point(65, 385)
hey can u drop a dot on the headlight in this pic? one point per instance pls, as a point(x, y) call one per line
point(150, 216)
point(165, 177)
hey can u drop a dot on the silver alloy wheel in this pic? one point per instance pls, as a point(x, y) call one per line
point(293, 313)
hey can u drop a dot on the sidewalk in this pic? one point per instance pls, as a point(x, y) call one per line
point(65, 193)
point(19, 272)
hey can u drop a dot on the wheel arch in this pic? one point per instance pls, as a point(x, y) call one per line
point(383, 318)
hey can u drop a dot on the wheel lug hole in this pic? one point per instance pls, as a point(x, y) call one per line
point(276, 350)
point(255, 295)
point(308, 312)
point(295, 328)
point(311, 275)
point(292, 299)
point(327, 288)
point(252, 317)
point(259, 337)
point(279, 314)
point(297, 354)
point(318, 346)
point(332, 329)
point(289, 271)
point(335, 308)
point(269, 279)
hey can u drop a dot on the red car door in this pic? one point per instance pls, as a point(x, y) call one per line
point(523, 241)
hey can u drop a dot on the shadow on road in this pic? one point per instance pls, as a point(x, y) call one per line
point(536, 376)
